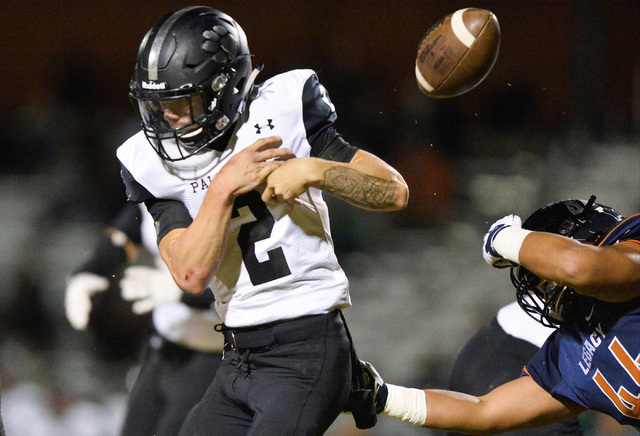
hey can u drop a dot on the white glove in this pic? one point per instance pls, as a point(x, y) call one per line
point(77, 299)
point(148, 287)
point(503, 253)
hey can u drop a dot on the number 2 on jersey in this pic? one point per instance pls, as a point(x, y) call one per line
point(275, 266)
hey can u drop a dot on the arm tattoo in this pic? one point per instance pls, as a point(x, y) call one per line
point(359, 189)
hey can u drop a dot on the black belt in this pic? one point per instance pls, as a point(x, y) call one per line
point(282, 332)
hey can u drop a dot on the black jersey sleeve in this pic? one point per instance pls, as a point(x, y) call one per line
point(168, 215)
point(135, 191)
point(318, 112)
point(330, 145)
point(319, 116)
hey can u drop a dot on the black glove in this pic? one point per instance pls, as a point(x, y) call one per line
point(374, 383)
point(361, 401)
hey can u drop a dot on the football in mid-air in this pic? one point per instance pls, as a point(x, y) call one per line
point(457, 53)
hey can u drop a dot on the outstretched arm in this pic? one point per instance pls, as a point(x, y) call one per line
point(610, 273)
point(515, 405)
point(518, 404)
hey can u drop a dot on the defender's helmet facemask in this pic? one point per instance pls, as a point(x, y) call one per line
point(584, 221)
point(190, 81)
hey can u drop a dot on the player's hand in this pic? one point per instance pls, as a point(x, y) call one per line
point(289, 181)
point(148, 287)
point(77, 299)
point(491, 256)
point(374, 382)
point(250, 168)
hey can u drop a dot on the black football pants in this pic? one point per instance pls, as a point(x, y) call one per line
point(171, 381)
point(291, 378)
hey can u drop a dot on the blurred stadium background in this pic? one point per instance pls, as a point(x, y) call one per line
point(557, 118)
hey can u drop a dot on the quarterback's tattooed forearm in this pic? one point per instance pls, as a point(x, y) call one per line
point(359, 189)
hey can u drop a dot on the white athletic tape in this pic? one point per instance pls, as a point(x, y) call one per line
point(422, 81)
point(460, 30)
point(406, 404)
point(508, 242)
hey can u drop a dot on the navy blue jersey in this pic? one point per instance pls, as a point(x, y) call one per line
point(595, 361)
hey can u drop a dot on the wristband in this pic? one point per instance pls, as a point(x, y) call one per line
point(508, 242)
point(406, 404)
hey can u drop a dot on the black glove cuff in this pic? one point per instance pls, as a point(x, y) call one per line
point(361, 404)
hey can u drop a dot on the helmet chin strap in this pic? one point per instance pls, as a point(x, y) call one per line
point(192, 134)
point(250, 80)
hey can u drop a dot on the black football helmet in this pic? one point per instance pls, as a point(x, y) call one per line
point(193, 64)
point(584, 221)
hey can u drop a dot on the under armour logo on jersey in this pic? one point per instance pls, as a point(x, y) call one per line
point(259, 127)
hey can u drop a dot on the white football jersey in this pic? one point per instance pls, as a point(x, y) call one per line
point(279, 261)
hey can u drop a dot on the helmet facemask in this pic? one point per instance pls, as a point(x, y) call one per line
point(546, 302)
point(585, 221)
point(201, 120)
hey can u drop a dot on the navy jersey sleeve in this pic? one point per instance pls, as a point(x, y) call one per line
point(627, 231)
point(319, 116)
point(543, 367)
point(554, 372)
